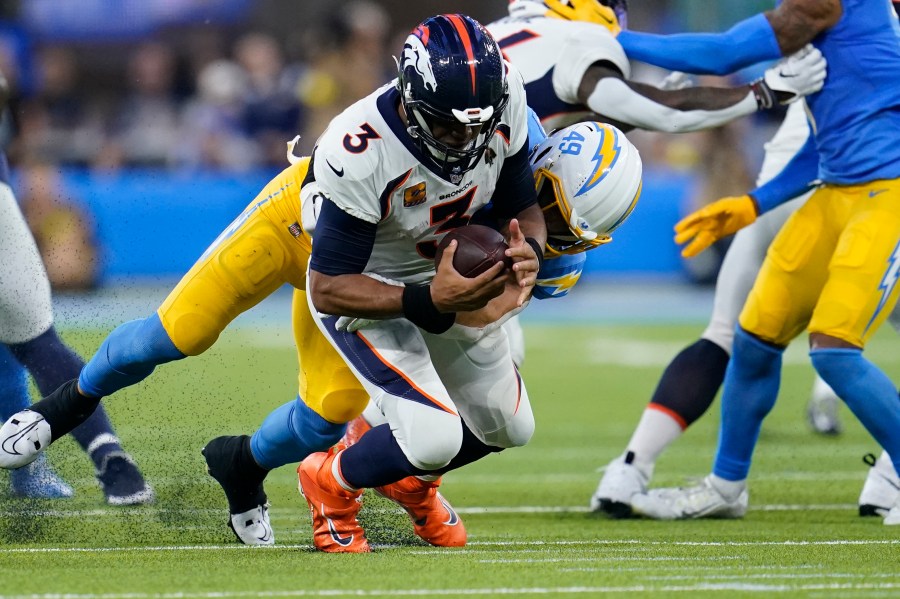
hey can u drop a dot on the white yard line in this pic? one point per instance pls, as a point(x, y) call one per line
point(285, 512)
point(572, 590)
point(444, 553)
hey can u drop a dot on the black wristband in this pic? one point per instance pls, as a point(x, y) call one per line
point(419, 309)
point(538, 250)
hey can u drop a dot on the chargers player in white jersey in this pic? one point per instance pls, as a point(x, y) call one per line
point(691, 381)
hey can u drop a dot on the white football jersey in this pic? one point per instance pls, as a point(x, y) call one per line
point(553, 56)
point(367, 164)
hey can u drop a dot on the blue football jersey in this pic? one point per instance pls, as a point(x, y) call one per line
point(856, 115)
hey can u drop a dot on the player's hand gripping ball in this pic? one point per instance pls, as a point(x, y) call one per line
point(478, 248)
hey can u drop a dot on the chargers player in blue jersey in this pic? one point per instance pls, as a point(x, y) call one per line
point(833, 267)
point(689, 384)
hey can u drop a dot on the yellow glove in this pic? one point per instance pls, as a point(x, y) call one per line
point(713, 222)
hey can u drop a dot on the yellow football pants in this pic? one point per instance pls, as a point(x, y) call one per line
point(264, 248)
point(833, 267)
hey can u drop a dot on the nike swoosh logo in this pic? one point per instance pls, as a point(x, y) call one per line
point(342, 541)
point(9, 443)
point(876, 192)
point(453, 517)
point(784, 75)
point(339, 173)
point(267, 533)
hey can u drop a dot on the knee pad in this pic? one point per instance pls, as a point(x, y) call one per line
point(430, 438)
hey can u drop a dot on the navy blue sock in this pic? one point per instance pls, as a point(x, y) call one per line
point(866, 390)
point(690, 382)
point(751, 388)
point(292, 432)
point(14, 384)
point(377, 460)
point(51, 363)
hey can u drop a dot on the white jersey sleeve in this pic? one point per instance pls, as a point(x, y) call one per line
point(583, 45)
point(343, 168)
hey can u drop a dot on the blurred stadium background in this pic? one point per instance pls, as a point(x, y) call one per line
point(139, 128)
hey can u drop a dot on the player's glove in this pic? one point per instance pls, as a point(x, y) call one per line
point(713, 222)
point(798, 75)
point(352, 324)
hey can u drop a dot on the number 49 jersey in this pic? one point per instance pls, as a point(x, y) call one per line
point(368, 165)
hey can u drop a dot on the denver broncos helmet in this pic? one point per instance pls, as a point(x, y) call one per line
point(589, 176)
point(612, 14)
point(451, 75)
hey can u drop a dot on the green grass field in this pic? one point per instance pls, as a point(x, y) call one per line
point(529, 531)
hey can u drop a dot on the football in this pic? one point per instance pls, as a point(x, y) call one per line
point(478, 249)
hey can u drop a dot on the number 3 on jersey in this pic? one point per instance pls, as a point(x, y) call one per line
point(448, 216)
point(357, 143)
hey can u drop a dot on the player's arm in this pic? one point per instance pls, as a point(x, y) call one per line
point(767, 36)
point(515, 205)
point(796, 178)
point(606, 92)
point(704, 227)
point(340, 253)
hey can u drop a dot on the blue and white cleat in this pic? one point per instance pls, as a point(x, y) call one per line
point(38, 480)
point(22, 439)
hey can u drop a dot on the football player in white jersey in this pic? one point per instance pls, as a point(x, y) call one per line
point(575, 70)
point(396, 171)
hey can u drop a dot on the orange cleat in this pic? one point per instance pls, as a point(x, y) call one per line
point(333, 508)
point(434, 519)
point(356, 428)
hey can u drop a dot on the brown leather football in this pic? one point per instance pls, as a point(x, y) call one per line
point(478, 248)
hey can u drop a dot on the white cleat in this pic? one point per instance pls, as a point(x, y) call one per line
point(252, 527)
point(893, 516)
point(22, 439)
point(703, 500)
point(621, 480)
point(881, 489)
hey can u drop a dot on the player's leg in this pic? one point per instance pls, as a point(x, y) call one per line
point(37, 480)
point(329, 395)
point(776, 311)
point(882, 487)
point(425, 432)
point(691, 381)
point(253, 258)
point(860, 294)
point(26, 327)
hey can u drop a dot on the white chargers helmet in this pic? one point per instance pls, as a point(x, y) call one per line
point(588, 178)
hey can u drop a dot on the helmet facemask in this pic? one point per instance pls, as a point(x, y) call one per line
point(423, 120)
point(559, 212)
